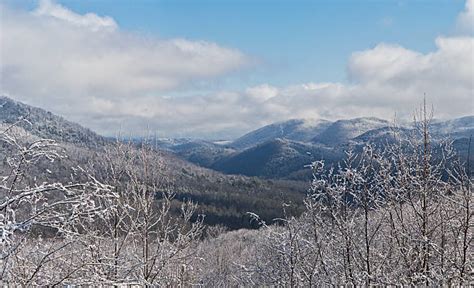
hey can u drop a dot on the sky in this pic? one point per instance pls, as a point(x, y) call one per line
point(217, 69)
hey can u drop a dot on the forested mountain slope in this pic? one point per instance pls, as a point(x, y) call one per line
point(275, 152)
point(302, 130)
point(45, 124)
point(224, 199)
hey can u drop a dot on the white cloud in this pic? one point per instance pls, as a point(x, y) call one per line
point(86, 68)
point(465, 21)
point(400, 75)
point(89, 20)
point(262, 92)
point(52, 51)
point(386, 80)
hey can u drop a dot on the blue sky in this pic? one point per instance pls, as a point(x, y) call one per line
point(199, 62)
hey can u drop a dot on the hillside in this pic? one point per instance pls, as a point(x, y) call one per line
point(45, 124)
point(344, 130)
point(224, 199)
point(278, 158)
point(455, 128)
point(262, 153)
point(203, 153)
point(301, 130)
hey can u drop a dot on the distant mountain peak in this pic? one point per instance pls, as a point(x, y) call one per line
point(346, 129)
point(293, 129)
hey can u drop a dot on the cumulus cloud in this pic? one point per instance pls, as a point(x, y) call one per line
point(81, 53)
point(84, 66)
point(465, 21)
point(87, 69)
point(385, 80)
point(89, 20)
point(400, 75)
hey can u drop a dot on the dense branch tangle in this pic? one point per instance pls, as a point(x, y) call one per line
point(396, 213)
point(84, 231)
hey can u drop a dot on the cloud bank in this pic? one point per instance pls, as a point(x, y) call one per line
point(89, 70)
point(465, 21)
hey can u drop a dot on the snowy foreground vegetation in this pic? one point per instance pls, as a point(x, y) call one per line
point(400, 213)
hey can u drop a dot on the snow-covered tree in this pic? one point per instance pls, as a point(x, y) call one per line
point(41, 219)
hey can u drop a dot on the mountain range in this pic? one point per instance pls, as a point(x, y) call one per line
point(224, 199)
point(283, 150)
point(256, 172)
